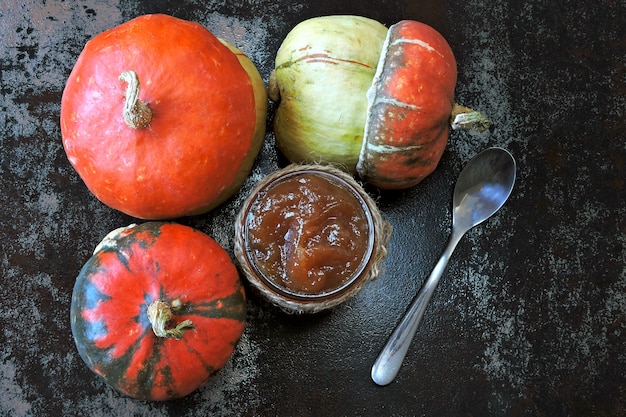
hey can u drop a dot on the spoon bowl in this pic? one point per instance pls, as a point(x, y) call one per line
point(481, 190)
point(483, 187)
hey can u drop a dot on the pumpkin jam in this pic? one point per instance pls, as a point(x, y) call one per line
point(309, 233)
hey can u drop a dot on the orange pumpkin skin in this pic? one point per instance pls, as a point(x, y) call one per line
point(410, 102)
point(203, 118)
point(130, 270)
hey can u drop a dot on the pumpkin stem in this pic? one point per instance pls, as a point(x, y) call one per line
point(465, 118)
point(273, 90)
point(159, 314)
point(136, 113)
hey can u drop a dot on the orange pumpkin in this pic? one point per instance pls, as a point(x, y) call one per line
point(410, 102)
point(159, 118)
point(157, 310)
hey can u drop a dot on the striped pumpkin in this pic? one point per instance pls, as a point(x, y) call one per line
point(157, 310)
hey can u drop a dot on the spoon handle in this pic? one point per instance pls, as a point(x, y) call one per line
point(390, 359)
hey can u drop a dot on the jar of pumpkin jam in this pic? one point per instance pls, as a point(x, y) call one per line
point(308, 237)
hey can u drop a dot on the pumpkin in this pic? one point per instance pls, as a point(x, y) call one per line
point(157, 310)
point(374, 101)
point(160, 119)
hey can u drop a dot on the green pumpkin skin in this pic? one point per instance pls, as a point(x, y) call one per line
point(323, 69)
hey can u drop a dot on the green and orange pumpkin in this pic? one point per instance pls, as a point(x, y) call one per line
point(370, 100)
point(157, 310)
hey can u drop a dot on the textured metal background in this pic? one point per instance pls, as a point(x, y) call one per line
point(530, 317)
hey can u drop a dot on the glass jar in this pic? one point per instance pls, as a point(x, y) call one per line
point(308, 238)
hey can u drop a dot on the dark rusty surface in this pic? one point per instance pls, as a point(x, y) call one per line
point(530, 317)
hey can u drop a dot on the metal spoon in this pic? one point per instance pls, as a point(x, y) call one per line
point(481, 189)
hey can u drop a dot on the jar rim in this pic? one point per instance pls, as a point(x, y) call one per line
point(336, 179)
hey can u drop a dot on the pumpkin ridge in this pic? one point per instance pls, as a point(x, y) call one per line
point(394, 102)
point(116, 371)
point(144, 382)
point(209, 369)
point(232, 307)
point(324, 58)
point(168, 380)
point(93, 293)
